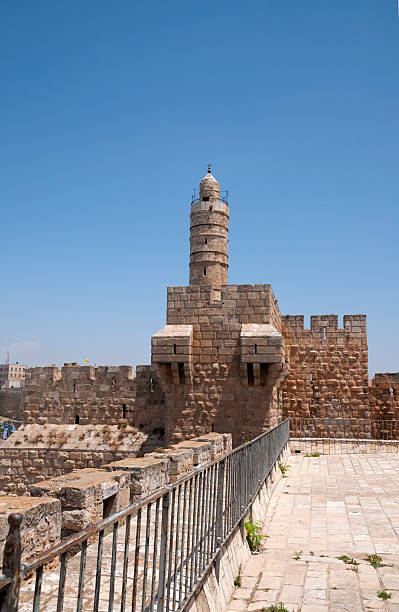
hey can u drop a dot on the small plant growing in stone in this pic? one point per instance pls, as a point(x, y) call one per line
point(275, 608)
point(384, 595)
point(254, 535)
point(237, 580)
point(312, 455)
point(311, 553)
point(376, 561)
point(349, 561)
point(284, 468)
point(297, 555)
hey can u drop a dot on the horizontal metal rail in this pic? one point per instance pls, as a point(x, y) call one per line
point(150, 555)
point(341, 427)
point(224, 197)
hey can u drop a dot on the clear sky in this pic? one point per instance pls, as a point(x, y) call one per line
point(110, 113)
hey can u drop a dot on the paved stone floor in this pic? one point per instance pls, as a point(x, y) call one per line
point(328, 506)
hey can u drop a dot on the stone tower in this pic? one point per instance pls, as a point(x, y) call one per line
point(209, 221)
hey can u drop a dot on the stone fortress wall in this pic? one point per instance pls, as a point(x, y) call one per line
point(98, 395)
point(12, 403)
point(384, 396)
point(328, 376)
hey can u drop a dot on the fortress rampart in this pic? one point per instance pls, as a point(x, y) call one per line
point(328, 367)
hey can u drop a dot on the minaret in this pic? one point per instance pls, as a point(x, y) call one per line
point(209, 221)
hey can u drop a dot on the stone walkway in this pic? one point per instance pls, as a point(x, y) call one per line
point(327, 507)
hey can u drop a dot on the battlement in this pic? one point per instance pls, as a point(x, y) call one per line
point(72, 372)
point(386, 380)
point(326, 324)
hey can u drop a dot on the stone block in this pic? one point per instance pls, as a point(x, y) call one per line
point(201, 451)
point(86, 496)
point(41, 524)
point(181, 461)
point(146, 475)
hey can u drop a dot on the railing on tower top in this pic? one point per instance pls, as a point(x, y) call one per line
point(159, 550)
point(224, 197)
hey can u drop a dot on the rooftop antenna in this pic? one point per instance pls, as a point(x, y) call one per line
point(8, 351)
point(209, 165)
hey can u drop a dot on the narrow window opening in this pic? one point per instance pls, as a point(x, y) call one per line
point(311, 378)
point(174, 349)
point(109, 506)
point(182, 377)
point(213, 426)
point(325, 332)
point(264, 370)
point(210, 208)
point(204, 271)
point(256, 349)
point(250, 373)
point(77, 419)
point(124, 411)
point(205, 198)
point(206, 240)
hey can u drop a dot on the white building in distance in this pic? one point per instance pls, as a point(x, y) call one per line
point(12, 375)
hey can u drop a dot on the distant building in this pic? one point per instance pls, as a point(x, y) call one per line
point(12, 375)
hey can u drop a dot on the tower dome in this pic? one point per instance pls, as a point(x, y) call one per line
point(209, 188)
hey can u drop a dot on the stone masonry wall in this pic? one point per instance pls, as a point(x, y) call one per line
point(11, 403)
point(93, 395)
point(384, 396)
point(22, 467)
point(218, 398)
point(328, 368)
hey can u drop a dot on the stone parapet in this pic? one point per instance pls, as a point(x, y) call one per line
point(181, 461)
point(20, 468)
point(41, 524)
point(201, 451)
point(217, 443)
point(146, 475)
point(86, 496)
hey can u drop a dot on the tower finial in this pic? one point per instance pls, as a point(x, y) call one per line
point(209, 168)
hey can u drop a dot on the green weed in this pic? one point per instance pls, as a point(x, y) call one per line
point(237, 580)
point(284, 468)
point(254, 534)
point(275, 608)
point(384, 595)
point(376, 561)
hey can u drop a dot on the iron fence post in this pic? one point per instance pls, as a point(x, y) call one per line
point(12, 564)
point(163, 552)
point(219, 516)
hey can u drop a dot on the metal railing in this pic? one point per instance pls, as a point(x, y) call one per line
point(160, 550)
point(360, 429)
point(224, 197)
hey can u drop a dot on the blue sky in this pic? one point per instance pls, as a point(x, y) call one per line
point(110, 113)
